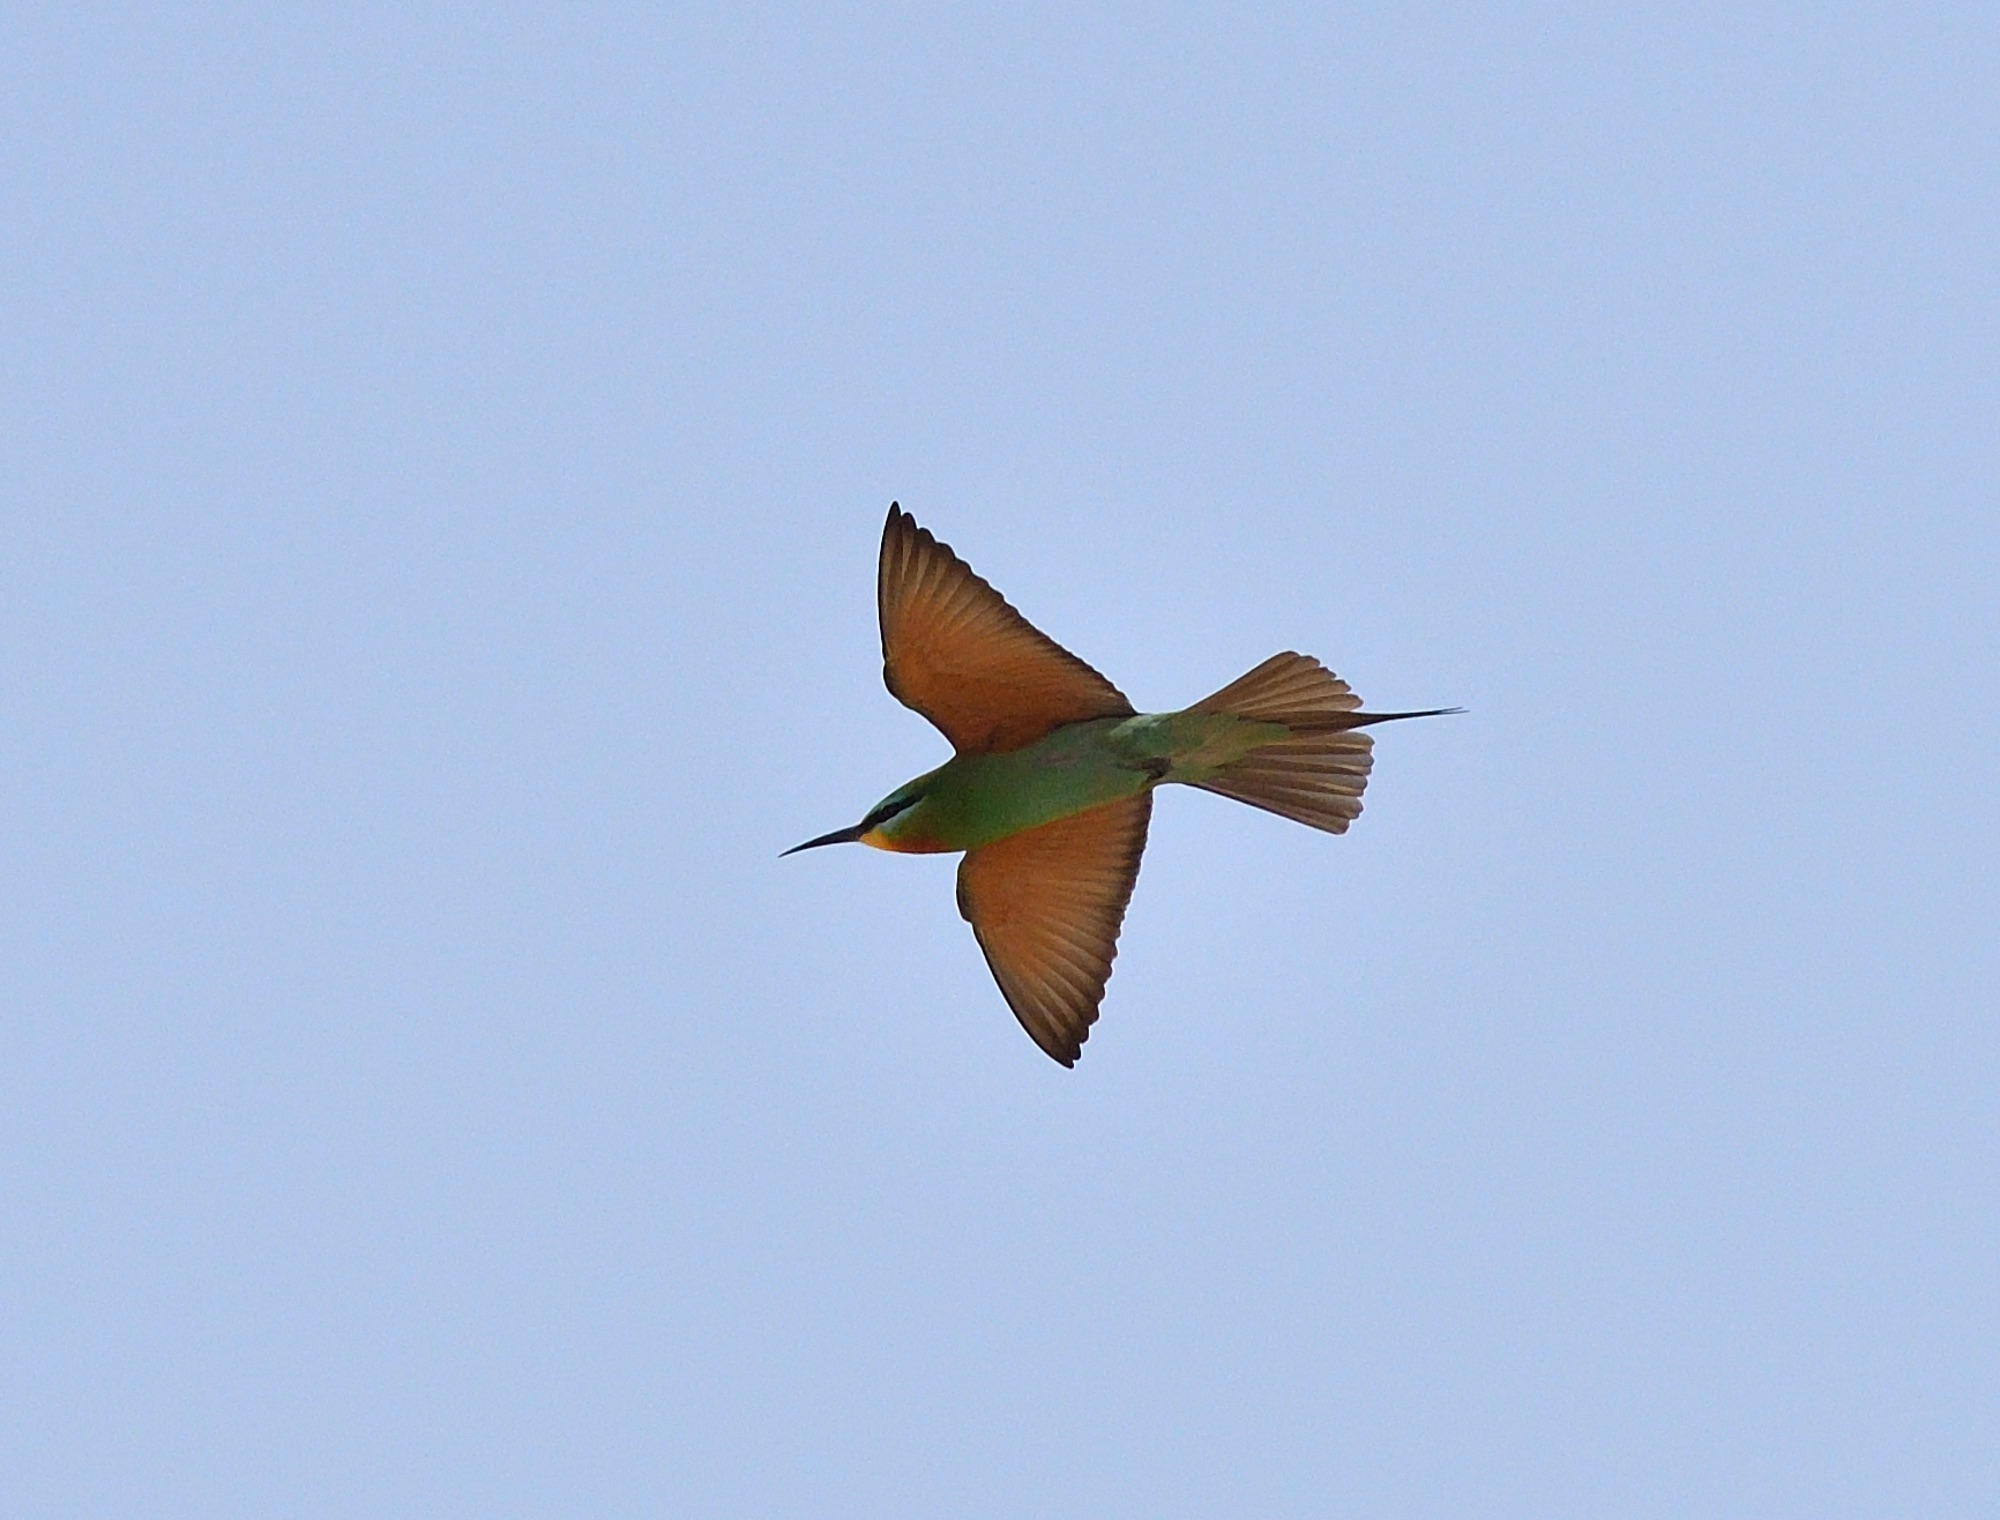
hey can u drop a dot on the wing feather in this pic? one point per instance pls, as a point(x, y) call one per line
point(955, 651)
point(1046, 906)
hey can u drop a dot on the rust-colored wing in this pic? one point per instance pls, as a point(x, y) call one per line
point(1046, 905)
point(956, 652)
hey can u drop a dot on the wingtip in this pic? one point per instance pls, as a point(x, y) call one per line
point(900, 528)
point(1064, 1052)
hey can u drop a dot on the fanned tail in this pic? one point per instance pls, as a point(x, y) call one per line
point(1315, 779)
point(1315, 776)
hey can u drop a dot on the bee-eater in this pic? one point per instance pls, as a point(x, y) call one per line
point(1051, 787)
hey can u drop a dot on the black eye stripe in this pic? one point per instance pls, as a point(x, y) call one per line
point(884, 813)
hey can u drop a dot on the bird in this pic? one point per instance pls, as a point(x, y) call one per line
point(1049, 790)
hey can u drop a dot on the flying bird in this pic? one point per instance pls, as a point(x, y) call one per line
point(1050, 789)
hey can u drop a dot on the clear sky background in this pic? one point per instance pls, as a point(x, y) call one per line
point(442, 455)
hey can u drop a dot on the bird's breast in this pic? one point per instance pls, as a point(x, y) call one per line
point(980, 798)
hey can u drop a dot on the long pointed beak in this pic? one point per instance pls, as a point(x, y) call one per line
point(838, 836)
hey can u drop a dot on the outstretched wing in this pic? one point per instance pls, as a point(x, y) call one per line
point(1046, 905)
point(956, 652)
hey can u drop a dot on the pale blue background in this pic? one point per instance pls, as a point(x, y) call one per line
point(443, 452)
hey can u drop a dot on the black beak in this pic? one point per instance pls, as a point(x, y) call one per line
point(838, 836)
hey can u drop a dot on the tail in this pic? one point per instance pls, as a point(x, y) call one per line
point(1315, 775)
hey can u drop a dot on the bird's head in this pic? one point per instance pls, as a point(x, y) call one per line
point(898, 822)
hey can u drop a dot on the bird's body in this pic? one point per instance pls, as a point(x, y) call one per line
point(974, 800)
point(1049, 793)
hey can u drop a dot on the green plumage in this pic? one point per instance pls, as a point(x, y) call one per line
point(973, 800)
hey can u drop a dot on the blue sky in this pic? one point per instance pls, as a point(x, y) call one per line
point(442, 452)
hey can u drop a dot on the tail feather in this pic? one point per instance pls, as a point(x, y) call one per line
point(1288, 688)
point(1316, 774)
point(1314, 779)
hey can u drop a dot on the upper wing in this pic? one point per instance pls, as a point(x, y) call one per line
point(1045, 905)
point(956, 652)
